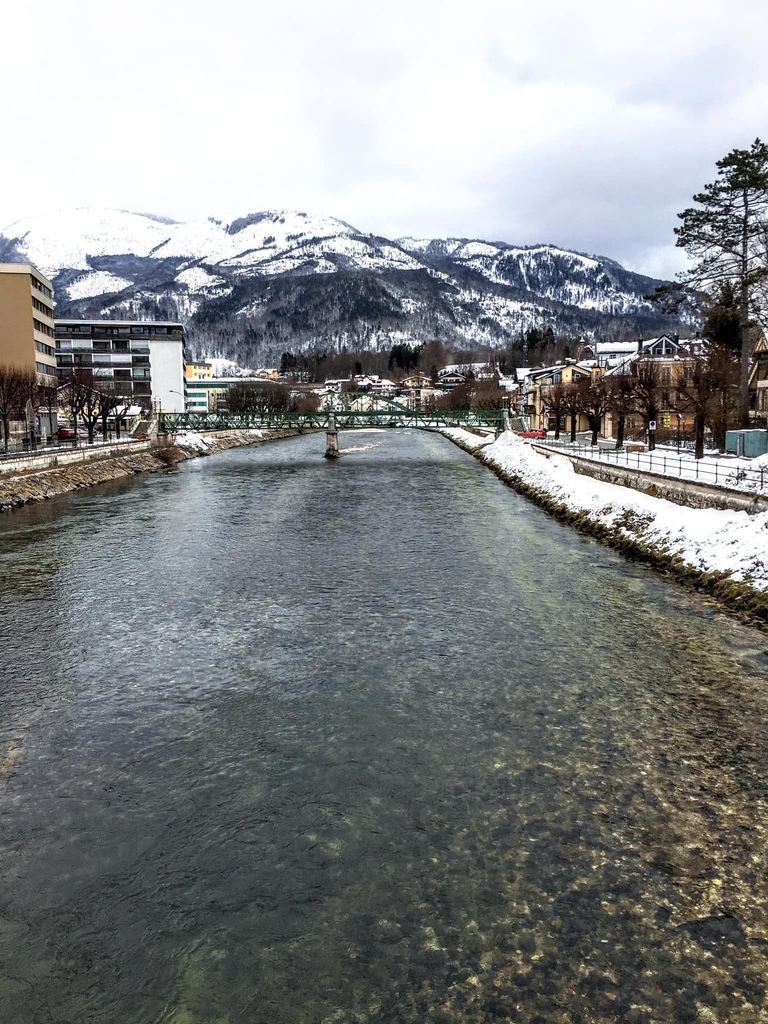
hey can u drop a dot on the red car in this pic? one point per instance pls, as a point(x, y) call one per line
point(536, 434)
point(68, 434)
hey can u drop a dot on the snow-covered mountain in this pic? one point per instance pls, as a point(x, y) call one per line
point(257, 285)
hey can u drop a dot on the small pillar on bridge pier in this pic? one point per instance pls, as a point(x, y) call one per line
point(331, 438)
point(505, 423)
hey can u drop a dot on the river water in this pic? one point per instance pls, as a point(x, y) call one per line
point(286, 741)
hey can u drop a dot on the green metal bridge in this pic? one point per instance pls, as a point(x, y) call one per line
point(345, 419)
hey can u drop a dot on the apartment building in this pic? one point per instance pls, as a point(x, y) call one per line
point(26, 321)
point(145, 359)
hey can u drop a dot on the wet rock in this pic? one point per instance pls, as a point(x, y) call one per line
point(713, 933)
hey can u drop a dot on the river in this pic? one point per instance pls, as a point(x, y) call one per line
point(289, 741)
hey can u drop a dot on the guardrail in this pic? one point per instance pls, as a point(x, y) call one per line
point(344, 418)
point(25, 450)
point(663, 462)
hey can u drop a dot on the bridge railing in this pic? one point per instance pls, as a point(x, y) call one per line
point(345, 419)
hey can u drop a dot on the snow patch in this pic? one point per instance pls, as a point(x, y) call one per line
point(99, 283)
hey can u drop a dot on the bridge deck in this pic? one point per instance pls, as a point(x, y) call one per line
point(345, 419)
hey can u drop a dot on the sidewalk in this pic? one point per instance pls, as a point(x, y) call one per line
point(749, 476)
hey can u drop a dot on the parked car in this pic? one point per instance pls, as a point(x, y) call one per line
point(534, 434)
point(69, 434)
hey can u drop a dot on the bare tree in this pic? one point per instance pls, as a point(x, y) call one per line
point(572, 405)
point(123, 402)
point(17, 386)
point(695, 392)
point(621, 396)
point(486, 394)
point(305, 402)
point(455, 398)
point(48, 399)
point(555, 397)
point(595, 402)
point(257, 398)
point(75, 386)
point(647, 387)
point(107, 403)
point(91, 409)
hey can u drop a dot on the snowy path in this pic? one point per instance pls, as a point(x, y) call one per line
point(747, 475)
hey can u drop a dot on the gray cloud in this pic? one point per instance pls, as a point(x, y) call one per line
point(586, 124)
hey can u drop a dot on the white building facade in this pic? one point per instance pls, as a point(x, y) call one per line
point(144, 359)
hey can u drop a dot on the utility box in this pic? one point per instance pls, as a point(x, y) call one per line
point(747, 443)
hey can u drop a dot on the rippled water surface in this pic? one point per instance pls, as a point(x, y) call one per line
point(286, 741)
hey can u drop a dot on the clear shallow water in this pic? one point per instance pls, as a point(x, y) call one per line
point(284, 740)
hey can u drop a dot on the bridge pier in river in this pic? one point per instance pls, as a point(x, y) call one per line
point(331, 438)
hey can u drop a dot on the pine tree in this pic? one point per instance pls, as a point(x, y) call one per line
point(723, 323)
point(727, 236)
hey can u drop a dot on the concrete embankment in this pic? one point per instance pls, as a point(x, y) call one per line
point(31, 485)
point(722, 553)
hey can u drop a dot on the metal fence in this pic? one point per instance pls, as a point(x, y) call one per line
point(24, 449)
point(663, 462)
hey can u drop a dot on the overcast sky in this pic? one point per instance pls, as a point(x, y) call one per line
point(587, 124)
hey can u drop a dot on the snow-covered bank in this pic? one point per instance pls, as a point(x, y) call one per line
point(749, 476)
point(723, 552)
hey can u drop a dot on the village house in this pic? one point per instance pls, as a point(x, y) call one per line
point(673, 360)
point(536, 386)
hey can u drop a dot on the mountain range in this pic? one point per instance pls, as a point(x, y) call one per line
point(251, 288)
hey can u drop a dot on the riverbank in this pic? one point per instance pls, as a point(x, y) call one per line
point(721, 553)
point(30, 486)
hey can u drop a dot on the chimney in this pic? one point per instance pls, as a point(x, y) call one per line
point(639, 344)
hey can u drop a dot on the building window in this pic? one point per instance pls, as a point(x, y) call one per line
point(47, 350)
point(43, 328)
point(41, 287)
point(42, 308)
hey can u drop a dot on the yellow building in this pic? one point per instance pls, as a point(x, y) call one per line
point(26, 321)
point(537, 385)
point(199, 371)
